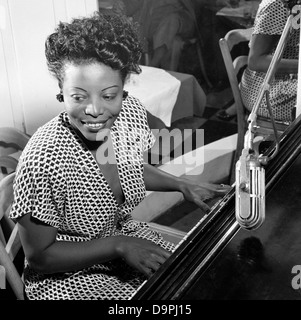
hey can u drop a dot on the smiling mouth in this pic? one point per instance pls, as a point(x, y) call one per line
point(95, 126)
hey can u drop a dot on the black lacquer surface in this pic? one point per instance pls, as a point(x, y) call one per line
point(220, 261)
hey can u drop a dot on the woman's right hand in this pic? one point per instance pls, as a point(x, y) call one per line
point(141, 254)
point(46, 255)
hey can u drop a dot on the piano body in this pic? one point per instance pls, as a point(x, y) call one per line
point(218, 260)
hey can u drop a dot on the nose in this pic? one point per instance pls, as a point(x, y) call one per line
point(94, 108)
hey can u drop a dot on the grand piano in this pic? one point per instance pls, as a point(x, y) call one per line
point(219, 260)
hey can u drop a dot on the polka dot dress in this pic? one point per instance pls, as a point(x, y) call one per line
point(270, 20)
point(59, 183)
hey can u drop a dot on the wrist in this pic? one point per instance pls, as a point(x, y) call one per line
point(182, 185)
point(119, 246)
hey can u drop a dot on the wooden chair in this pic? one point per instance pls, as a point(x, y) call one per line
point(10, 244)
point(234, 68)
point(12, 142)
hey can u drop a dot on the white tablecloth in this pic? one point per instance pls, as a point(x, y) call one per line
point(245, 9)
point(156, 89)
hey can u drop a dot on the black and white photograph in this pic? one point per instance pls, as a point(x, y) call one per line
point(150, 152)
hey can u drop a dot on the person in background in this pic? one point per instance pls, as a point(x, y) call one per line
point(213, 27)
point(268, 26)
point(168, 19)
point(82, 173)
point(161, 23)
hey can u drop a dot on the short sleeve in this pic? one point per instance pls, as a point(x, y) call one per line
point(271, 18)
point(33, 191)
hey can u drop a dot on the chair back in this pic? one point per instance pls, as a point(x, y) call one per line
point(10, 243)
point(236, 36)
point(12, 142)
point(233, 68)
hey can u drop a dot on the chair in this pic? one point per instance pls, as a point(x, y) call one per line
point(12, 142)
point(10, 244)
point(234, 67)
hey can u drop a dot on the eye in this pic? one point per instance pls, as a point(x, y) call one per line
point(77, 98)
point(109, 97)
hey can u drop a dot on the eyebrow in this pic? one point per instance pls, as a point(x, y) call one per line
point(79, 88)
point(114, 86)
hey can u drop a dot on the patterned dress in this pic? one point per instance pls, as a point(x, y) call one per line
point(270, 20)
point(58, 181)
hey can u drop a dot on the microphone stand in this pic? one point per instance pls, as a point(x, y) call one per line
point(250, 176)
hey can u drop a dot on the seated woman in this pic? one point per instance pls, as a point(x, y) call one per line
point(82, 173)
point(162, 23)
point(268, 26)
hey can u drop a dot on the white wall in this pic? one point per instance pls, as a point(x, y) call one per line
point(27, 90)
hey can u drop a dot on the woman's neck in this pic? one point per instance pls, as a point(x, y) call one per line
point(91, 145)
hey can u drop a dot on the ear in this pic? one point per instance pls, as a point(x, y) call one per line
point(60, 97)
point(125, 94)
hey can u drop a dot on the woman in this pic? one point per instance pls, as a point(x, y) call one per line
point(82, 173)
point(161, 23)
point(268, 26)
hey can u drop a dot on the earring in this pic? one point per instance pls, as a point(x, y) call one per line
point(125, 94)
point(60, 97)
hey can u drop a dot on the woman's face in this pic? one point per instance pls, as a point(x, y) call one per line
point(93, 98)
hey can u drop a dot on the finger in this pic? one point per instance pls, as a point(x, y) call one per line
point(147, 271)
point(153, 265)
point(214, 186)
point(222, 188)
point(149, 267)
point(162, 257)
point(203, 206)
point(162, 254)
point(206, 195)
point(206, 187)
point(217, 188)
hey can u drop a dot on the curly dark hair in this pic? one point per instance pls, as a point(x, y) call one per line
point(110, 39)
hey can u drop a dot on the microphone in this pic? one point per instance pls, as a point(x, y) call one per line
point(249, 191)
point(290, 3)
point(249, 171)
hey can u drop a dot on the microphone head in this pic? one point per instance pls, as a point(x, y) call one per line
point(250, 192)
point(290, 3)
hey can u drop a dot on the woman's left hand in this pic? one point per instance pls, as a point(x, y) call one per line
point(200, 192)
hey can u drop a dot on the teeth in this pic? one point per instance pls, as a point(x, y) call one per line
point(95, 125)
